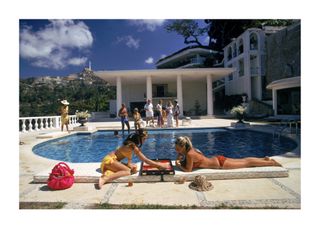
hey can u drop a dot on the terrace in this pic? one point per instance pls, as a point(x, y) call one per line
point(238, 188)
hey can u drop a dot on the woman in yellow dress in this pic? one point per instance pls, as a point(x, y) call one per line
point(64, 114)
point(111, 166)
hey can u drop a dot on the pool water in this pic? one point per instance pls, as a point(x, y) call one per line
point(82, 148)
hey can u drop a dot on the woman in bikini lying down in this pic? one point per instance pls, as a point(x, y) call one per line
point(189, 158)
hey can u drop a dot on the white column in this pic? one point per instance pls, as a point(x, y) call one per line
point(119, 94)
point(149, 88)
point(209, 96)
point(275, 101)
point(179, 94)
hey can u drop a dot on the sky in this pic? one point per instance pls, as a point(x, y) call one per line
point(63, 47)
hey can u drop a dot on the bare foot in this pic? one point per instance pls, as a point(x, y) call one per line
point(101, 182)
point(275, 163)
point(134, 170)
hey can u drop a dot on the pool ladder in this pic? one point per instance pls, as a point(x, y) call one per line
point(285, 125)
point(280, 128)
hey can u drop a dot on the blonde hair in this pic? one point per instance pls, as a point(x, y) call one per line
point(185, 142)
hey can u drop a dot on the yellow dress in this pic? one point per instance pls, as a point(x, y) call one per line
point(64, 114)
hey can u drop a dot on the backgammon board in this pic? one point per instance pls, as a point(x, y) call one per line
point(147, 169)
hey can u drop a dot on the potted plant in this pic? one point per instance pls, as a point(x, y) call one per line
point(82, 117)
point(239, 112)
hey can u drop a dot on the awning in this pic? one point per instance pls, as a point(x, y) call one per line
point(285, 83)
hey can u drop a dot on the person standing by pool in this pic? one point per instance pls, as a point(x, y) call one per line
point(148, 107)
point(169, 112)
point(193, 158)
point(176, 112)
point(123, 114)
point(159, 114)
point(111, 166)
point(137, 119)
point(64, 110)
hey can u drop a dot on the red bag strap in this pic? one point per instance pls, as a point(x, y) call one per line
point(62, 166)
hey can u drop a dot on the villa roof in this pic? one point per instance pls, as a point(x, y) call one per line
point(186, 50)
point(163, 75)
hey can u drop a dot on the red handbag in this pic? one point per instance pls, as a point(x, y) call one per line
point(61, 177)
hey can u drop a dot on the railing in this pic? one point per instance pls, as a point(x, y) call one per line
point(38, 123)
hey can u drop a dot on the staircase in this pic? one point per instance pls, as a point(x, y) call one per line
point(259, 109)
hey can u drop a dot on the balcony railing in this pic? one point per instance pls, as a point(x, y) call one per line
point(38, 123)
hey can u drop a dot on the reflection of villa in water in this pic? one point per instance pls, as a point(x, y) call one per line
point(263, 63)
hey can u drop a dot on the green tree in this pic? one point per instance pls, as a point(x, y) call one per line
point(189, 29)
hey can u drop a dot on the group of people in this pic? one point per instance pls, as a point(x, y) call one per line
point(170, 112)
point(188, 159)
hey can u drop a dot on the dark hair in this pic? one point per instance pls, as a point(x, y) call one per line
point(115, 132)
point(136, 138)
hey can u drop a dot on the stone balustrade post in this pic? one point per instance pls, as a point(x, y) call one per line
point(23, 126)
point(43, 122)
point(30, 125)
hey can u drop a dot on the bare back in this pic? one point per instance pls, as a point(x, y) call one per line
point(200, 161)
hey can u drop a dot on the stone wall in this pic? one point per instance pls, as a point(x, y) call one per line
point(283, 54)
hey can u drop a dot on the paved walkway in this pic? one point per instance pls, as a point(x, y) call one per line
point(281, 192)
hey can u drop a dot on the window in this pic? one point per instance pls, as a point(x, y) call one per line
point(234, 50)
point(240, 47)
point(253, 41)
point(229, 53)
point(241, 68)
point(289, 101)
point(160, 90)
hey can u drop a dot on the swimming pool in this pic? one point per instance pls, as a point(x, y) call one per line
point(81, 148)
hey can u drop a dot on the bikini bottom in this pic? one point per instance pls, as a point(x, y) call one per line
point(221, 160)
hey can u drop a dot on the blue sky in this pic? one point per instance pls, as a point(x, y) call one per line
point(62, 47)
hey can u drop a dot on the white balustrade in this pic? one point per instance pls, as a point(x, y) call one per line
point(29, 124)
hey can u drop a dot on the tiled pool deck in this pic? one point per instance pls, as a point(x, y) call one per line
point(274, 187)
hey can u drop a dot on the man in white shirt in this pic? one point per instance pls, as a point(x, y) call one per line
point(149, 111)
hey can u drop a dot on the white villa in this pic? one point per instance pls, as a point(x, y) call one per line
point(187, 85)
point(247, 54)
point(266, 59)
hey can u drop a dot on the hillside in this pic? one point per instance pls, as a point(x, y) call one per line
point(84, 91)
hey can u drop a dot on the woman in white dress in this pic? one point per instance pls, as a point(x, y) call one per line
point(169, 111)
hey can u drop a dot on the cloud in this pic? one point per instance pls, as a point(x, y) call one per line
point(54, 45)
point(129, 41)
point(78, 61)
point(150, 25)
point(149, 60)
point(163, 56)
